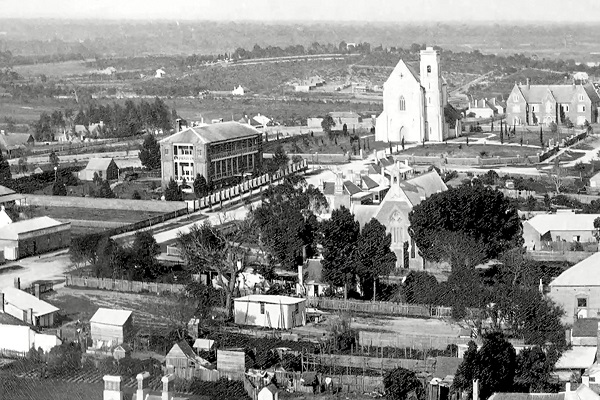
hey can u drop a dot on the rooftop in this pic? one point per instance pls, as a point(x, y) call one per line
point(101, 164)
point(24, 301)
point(584, 273)
point(561, 93)
point(563, 222)
point(111, 317)
point(270, 299)
point(12, 231)
point(213, 133)
point(578, 357)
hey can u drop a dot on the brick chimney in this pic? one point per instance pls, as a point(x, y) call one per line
point(339, 184)
point(168, 382)
point(112, 388)
point(37, 290)
point(28, 314)
point(143, 381)
point(528, 83)
point(568, 387)
point(476, 389)
point(18, 283)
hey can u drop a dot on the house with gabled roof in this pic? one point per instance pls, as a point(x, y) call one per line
point(105, 168)
point(215, 151)
point(28, 308)
point(111, 326)
point(543, 104)
point(10, 143)
point(541, 231)
point(182, 355)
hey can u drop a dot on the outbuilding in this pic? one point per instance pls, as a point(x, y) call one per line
point(34, 236)
point(277, 312)
point(106, 168)
point(113, 326)
point(269, 392)
point(27, 307)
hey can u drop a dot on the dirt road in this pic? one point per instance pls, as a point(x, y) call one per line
point(51, 266)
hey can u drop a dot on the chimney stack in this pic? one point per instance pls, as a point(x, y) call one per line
point(585, 379)
point(167, 381)
point(476, 389)
point(29, 316)
point(2, 302)
point(568, 387)
point(37, 290)
point(18, 283)
point(177, 125)
point(528, 83)
point(143, 380)
point(112, 388)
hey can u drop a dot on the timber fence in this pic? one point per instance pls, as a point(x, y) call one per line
point(380, 307)
point(121, 285)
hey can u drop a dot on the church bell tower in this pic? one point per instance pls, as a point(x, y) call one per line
point(431, 81)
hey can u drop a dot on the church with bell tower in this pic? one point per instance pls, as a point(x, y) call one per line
point(414, 97)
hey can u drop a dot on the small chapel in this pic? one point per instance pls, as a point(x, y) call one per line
point(414, 97)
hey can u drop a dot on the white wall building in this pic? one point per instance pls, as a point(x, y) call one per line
point(413, 102)
point(276, 312)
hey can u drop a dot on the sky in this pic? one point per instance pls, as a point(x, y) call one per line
point(310, 10)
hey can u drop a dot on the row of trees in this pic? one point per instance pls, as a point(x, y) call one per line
point(118, 120)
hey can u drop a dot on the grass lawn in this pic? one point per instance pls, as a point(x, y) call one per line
point(473, 150)
point(94, 214)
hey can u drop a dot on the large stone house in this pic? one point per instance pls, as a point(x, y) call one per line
point(543, 104)
point(414, 97)
point(216, 151)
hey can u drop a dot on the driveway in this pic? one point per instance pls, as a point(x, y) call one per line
point(51, 266)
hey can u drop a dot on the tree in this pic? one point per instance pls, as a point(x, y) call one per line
point(339, 237)
point(105, 191)
point(542, 137)
point(402, 143)
point(83, 249)
point(373, 257)
point(150, 153)
point(59, 189)
point(173, 192)
point(403, 384)
point(327, 124)
point(280, 158)
point(53, 159)
point(533, 371)
point(420, 287)
point(476, 211)
point(494, 365)
point(547, 201)
point(286, 220)
point(467, 370)
point(5, 174)
point(531, 203)
point(345, 129)
point(206, 248)
point(144, 264)
point(580, 167)
point(136, 195)
point(200, 186)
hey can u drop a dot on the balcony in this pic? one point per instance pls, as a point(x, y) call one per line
point(233, 153)
point(185, 157)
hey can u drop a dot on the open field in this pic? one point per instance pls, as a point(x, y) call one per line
point(55, 70)
point(472, 150)
point(320, 143)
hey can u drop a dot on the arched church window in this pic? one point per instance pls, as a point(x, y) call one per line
point(402, 103)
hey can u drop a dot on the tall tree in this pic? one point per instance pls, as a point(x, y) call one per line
point(339, 236)
point(53, 159)
point(534, 370)
point(144, 250)
point(327, 124)
point(150, 153)
point(373, 257)
point(403, 384)
point(280, 158)
point(476, 211)
point(206, 248)
point(173, 191)
point(105, 191)
point(59, 188)
point(286, 220)
point(467, 370)
point(200, 186)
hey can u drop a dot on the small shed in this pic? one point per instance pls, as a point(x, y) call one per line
point(269, 392)
point(114, 326)
point(204, 344)
point(121, 351)
point(277, 312)
point(181, 355)
point(27, 307)
point(106, 168)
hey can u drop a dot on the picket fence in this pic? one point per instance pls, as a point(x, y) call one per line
point(418, 342)
point(235, 193)
point(380, 307)
point(121, 285)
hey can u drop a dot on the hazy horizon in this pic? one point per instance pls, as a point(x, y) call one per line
point(307, 11)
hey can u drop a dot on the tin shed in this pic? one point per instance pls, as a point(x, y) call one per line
point(115, 326)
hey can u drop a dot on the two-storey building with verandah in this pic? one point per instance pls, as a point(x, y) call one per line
point(216, 151)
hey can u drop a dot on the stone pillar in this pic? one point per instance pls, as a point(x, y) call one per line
point(112, 388)
point(168, 382)
point(143, 380)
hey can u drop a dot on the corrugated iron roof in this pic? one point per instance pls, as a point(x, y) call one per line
point(212, 133)
point(99, 164)
point(544, 223)
point(24, 301)
point(12, 231)
point(110, 316)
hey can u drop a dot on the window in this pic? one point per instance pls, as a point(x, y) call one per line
point(576, 238)
point(582, 302)
point(566, 108)
point(429, 69)
point(516, 97)
point(262, 308)
point(166, 151)
point(549, 107)
point(580, 97)
point(402, 103)
point(534, 108)
point(297, 307)
point(581, 108)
